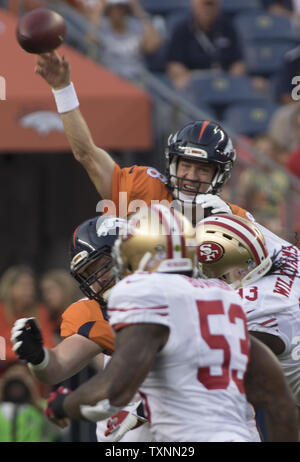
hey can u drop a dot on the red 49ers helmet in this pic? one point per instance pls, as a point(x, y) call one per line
point(231, 248)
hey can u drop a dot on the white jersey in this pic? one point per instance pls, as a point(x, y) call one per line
point(271, 305)
point(194, 391)
point(140, 434)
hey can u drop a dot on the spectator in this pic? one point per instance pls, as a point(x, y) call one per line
point(21, 409)
point(284, 126)
point(125, 33)
point(85, 7)
point(265, 197)
point(293, 162)
point(204, 40)
point(18, 299)
point(59, 290)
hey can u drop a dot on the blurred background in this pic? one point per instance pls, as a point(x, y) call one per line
point(141, 68)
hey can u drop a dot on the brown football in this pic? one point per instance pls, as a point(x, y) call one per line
point(41, 31)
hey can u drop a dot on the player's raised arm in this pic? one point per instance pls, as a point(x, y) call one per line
point(55, 70)
point(266, 388)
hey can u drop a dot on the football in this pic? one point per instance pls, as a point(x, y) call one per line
point(41, 31)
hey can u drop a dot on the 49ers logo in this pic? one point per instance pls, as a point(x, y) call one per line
point(210, 252)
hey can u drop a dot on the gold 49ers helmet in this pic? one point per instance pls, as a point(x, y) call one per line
point(231, 248)
point(156, 239)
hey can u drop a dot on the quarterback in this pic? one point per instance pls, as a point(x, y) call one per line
point(199, 158)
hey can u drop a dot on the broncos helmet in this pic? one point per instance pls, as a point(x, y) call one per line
point(91, 241)
point(203, 141)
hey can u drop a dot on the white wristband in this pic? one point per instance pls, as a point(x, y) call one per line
point(66, 99)
point(43, 364)
point(102, 410)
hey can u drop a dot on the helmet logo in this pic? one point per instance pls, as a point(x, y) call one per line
point(210, 252)
point(109, 226)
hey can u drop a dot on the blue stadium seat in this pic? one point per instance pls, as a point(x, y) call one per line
point(220, 89)
point(236, 6)
point(264, 25)
point(249, 119)
point(164, 6)
point(265, 57)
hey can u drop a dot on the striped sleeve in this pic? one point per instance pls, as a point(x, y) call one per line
point(146, 304)
point(267, 324)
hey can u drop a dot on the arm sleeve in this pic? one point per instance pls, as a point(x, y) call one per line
point(176, 47)
point(240, 212)
point(135, 187)
point(145, 304)
point(85, 318)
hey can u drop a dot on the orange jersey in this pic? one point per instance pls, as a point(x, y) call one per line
point(146, 184)
point(85, 318)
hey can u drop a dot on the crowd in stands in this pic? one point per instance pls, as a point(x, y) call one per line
point(187, 43)
point(237, 60)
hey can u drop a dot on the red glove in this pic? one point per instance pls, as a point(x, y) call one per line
point(127, 419)
point(54, 410)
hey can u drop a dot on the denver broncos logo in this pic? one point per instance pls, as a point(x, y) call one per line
point(210, 252)
point(43, 122)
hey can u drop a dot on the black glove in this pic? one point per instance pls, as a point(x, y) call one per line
point(55, 409)
point(27, 340)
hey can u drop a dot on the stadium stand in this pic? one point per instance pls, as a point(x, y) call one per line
point(221, 89)
point(265, 57)
point(250, 118)
point(263, 25)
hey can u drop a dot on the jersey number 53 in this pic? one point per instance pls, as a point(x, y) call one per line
point(211, 381)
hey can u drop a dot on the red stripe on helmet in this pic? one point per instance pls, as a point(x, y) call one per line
point(74, 236)
point(182, 239)
point(230, 228)
point(165, 223)
point(250, 231)
point(205, 123)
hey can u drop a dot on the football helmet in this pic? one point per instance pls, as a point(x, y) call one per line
point(157, 239)
point(203, 141)
point(231, 248)
point(92, 242)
